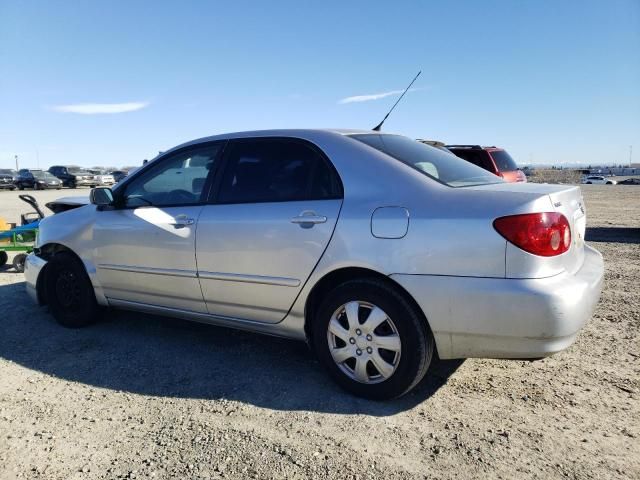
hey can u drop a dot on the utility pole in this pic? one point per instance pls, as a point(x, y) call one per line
point(630, 154)
point(16, 157)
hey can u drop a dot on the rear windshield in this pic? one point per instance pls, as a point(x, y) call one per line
point(503, 160)
point(441, 166)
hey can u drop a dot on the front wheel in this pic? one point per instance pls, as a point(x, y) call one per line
point(18, 262)
point(372, 340)
point(3, 258)
point(69, 291)
point(20, 186)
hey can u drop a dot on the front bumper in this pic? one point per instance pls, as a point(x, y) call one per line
point(33, 266)
point(86, 183)
point(507, 318)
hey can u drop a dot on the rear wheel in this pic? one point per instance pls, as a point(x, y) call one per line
point(69, 291)
point(372, 340)
point(3, 258)
point(18, 262)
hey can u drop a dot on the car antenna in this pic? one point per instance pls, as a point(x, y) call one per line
point(379, 126)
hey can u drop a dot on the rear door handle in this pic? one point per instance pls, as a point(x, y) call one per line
point(308, 219)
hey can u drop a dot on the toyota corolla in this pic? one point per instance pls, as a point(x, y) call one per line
point(377, 250)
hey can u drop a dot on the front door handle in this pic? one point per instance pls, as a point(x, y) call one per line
point(308, 219)
point(182, 221)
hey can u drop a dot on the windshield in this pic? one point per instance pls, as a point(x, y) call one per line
point(434, 163)
point(503, 160)
point(77, 170)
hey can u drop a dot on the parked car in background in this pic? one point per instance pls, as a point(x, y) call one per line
point(435, 144)
point(306, 234)
point(73, 176)
point(7, 181)
point(630, 181)
point(119, 175)
point(598, 180)
point(36, 179)
point(493, 159)
point(9, 171)
point(102, 176)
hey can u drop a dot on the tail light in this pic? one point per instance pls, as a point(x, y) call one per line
point(545, 234)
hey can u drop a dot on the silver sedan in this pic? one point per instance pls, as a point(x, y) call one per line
point(375, 249)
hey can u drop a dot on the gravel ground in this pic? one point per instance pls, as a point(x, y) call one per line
point(138, 396)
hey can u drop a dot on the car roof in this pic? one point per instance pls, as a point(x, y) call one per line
point(305, 133)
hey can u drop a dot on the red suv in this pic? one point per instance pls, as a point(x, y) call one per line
point(494, 159)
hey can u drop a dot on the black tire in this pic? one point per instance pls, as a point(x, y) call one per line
point(3, 258)
point(588, 183)
point(417, 345)
point(18, 262)
point(69, 292)
point(72, 184)
point(20, 186)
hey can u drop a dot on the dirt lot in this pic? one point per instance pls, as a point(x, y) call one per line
point(139, 396)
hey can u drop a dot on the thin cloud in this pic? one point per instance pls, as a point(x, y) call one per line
point(375, 96)
point(100, 108)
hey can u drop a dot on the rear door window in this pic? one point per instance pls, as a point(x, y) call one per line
point(276, 170)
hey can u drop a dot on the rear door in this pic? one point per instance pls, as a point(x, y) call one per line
point(271, 218)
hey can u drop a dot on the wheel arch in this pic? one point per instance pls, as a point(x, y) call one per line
point(341, 275)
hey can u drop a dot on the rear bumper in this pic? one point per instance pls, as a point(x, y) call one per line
point(507, 318)
point(33, 266)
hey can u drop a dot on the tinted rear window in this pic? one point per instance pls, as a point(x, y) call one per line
point(441, 166)
point(476, 156)
point(504, 162)
point(276, 170)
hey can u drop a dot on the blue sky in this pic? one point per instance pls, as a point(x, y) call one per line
point(551, 81)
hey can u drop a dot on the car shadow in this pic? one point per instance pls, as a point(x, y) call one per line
point(613, 234)
point(167, 357)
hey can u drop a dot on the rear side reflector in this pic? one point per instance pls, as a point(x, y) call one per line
point(545, 234)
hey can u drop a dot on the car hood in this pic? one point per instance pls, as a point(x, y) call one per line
point(67, 203)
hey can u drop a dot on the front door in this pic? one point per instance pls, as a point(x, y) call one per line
point(271, 218)
point(145, 247)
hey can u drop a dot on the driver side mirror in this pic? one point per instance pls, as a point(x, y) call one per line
point(101, 196)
